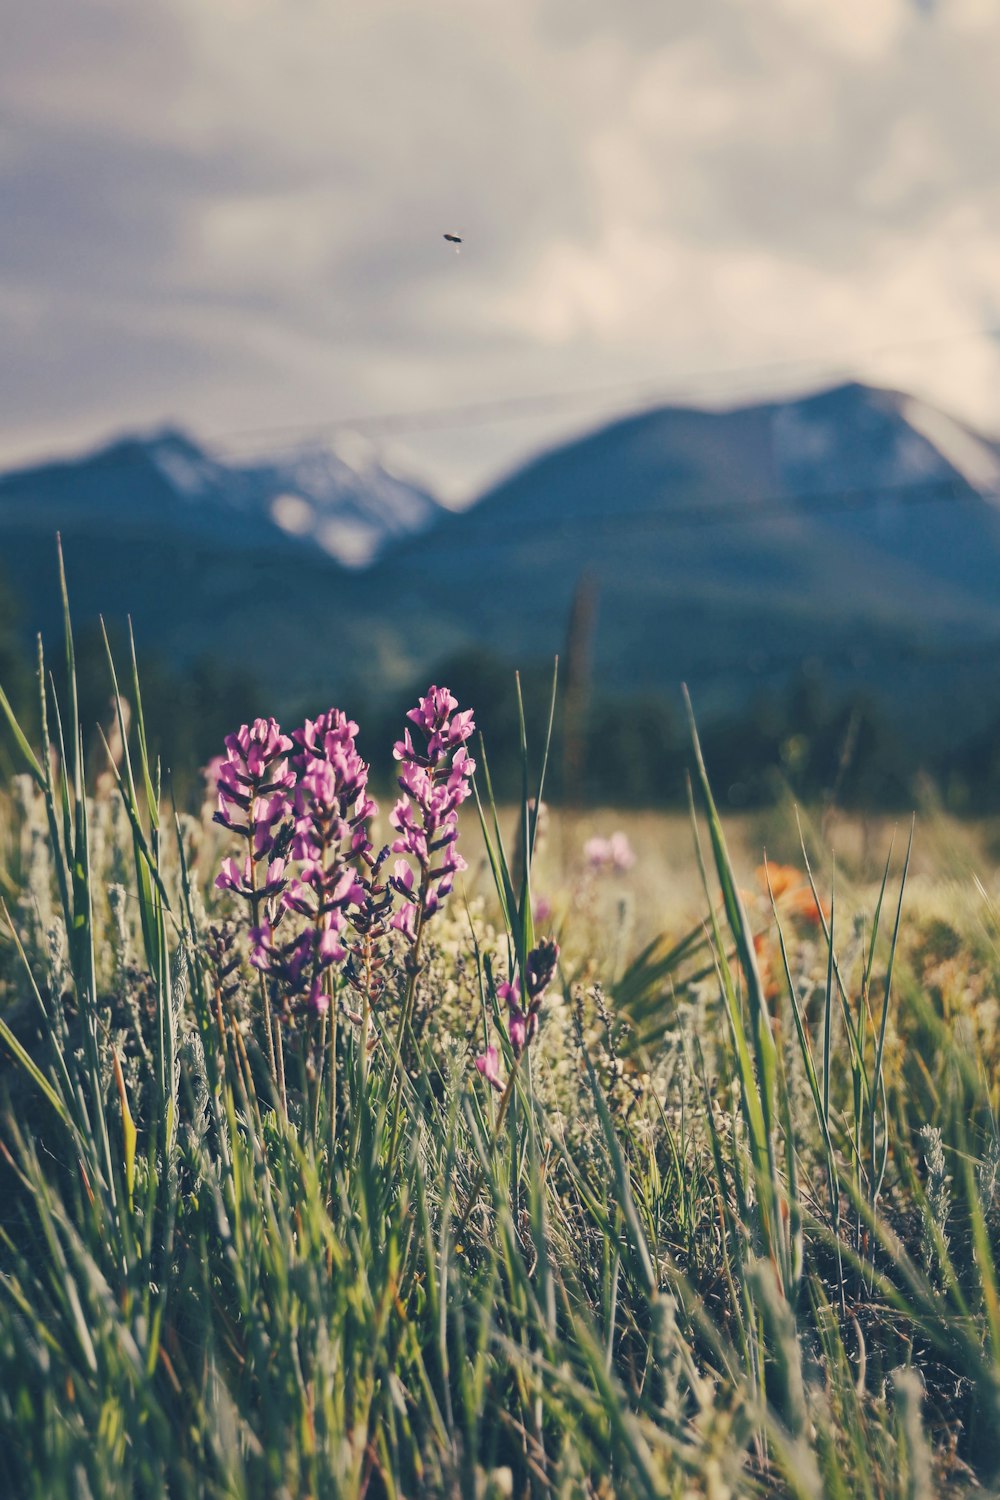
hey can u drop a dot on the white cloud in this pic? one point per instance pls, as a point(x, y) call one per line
point(861, 30)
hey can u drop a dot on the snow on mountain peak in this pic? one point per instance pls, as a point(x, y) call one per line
point(293, 514)
point(974, 459)
point(339, 497)
point(356, 450)
point(185, 468)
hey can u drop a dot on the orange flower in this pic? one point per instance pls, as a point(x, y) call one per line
point(792, 892)
point(764, 950)
point(803, 904)
point(782, 878)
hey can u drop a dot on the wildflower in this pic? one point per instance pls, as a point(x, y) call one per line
point(210, 776)
point(540, 968)
point(520, 1026)
point(764, 950)
point(522, 1018)
point(614, 853)
point(224, 962)
point(260, 946)
point(780, 878)
point(803, 904)
point(253, 781)
point(240, 878)
point(489, 1065)
point(541, 911)
point(330, 815)
point(435, 780)
point(792, 892)
point(370, 919)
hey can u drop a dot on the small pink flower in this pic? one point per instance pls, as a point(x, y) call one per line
point(319, 1000)
point(329, 947)
point(489, 1065)
point(404, 920)
point(614, 853)
point(509, 993)
point(210, 774)
point(517, 1029)
point(231, 877)
point(542, 911)
point(260, 947)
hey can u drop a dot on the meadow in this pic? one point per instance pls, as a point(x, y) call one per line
point(433, 1149)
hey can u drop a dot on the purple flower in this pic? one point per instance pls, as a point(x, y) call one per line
point(253, 782)
point(370, 920)
point(517, 1029)
point(239, 878)
point(435, 779)
point(522, 1020)
point(331, 801)
point(329, 844)
point(260, 946)
point(404, 920)
point(230, 876)
point(302, 807)
point(521, 1026)
point(255, 767)
point(509, 993)
point(489, 1065)
point(319, 1000)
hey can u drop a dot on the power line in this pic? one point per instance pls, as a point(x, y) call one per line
point(647, 393)
point(652, 392)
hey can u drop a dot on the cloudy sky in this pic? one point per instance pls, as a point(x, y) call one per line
point(228, 214)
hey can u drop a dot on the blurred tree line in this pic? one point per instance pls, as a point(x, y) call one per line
point(634, 750)
point(804, 737)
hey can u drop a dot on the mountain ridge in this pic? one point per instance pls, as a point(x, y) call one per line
point(348, 512)
point(854, 525)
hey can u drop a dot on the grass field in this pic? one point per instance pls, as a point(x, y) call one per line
point(335, 1173)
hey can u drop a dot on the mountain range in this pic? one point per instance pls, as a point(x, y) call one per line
point(854, 528)
point(345, 506)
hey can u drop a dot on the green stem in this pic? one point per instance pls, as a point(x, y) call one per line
point(501, 1116)
point(280, 1056)
point(279, 1080)
point(333, 1077)
point(406, 1015)
point(366, 1011)
point(361, 1077)
point(315, 1103)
